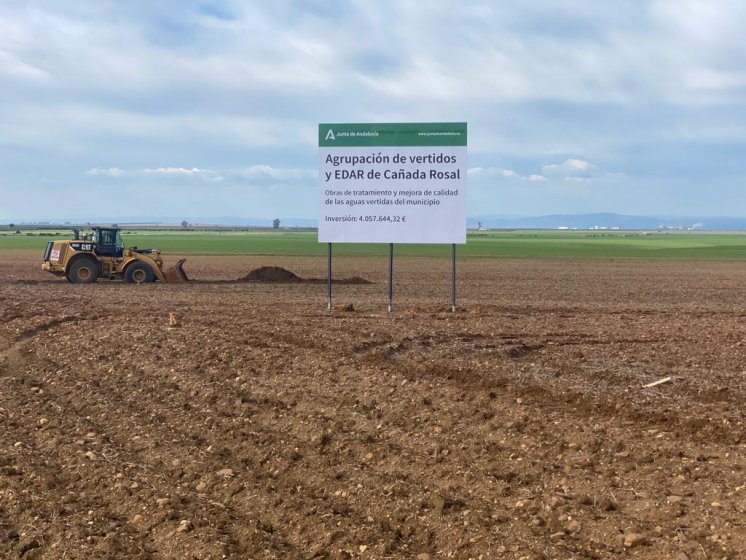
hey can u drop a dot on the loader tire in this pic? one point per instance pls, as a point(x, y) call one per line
point(83, 271)
point(139, 273)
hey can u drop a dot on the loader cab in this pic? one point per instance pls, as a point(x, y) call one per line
point(107, 242)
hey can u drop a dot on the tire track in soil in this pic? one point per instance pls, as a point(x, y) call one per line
point(644, 458)
point(631, 519)
point(220, 413)
point(129, 413)
point(284, 339)
point(550, 376)
point(151, 469)
point(294, 422)
point(102, 399)
point(41, 465)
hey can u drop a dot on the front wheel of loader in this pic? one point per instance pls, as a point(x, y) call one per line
point(139, 273)
point(83, 271)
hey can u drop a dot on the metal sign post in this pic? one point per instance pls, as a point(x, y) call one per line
point(391, 277)
point(329, 277)
point(453, 278)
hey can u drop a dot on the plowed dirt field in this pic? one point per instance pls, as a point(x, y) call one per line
point(263, 427)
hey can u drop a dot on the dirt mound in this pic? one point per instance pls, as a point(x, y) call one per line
point(279, 275)
point(275, 274)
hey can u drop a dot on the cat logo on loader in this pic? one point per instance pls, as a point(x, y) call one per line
point(83, 261)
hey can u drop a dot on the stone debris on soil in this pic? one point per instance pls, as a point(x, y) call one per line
point(632, 540)
point(173, 322)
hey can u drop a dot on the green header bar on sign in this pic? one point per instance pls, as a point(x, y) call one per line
point(392, 134)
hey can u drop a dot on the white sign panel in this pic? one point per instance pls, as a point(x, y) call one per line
point(392, 183)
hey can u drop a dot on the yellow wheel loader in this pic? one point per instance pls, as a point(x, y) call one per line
point(102, 255)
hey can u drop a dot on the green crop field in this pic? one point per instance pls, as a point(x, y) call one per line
point(533, 244)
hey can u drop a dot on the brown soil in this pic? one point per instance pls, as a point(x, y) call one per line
point(258, 425)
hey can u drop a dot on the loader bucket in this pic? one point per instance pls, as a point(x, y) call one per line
point(176, 273)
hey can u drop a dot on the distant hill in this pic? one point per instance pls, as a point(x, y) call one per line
point(607, 220)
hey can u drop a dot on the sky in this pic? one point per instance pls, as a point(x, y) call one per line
point(209, 109)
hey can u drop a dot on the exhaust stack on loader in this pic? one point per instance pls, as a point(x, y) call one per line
point(102, 255)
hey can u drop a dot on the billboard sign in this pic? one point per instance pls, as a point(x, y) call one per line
point(392, 183)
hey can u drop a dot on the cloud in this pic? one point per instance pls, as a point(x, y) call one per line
point(500, 173)
point(493, 172)
point(267, 173)
point(256, 174)
point(206, 174)
point(13, 67)
point(106, 172)
point(570, 169)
